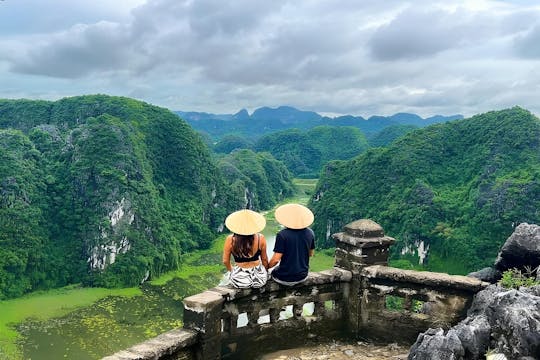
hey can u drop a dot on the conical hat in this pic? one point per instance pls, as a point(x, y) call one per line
point(294, 216)
point(245, 222)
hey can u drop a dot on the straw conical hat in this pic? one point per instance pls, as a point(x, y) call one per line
point(245, 222)
point(294, 216)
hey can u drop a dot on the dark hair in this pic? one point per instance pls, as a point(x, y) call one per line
point(242, 245)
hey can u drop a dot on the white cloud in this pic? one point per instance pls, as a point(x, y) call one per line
point(364, 57)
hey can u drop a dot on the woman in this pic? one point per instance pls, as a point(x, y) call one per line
point(248, 248)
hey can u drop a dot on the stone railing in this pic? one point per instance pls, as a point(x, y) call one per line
point(276, 316)
point(360, 297)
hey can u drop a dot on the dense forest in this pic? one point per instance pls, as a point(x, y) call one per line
point(258, 177)
point(304, 152)
point(452, 192)
point(109, 191)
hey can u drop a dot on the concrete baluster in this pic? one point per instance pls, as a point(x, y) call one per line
point(202, 312)
point(361, 244)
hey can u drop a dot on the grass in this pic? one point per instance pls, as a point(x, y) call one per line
point(193, 263)
point(45, 305)
point(321, 261)
point(306, 188)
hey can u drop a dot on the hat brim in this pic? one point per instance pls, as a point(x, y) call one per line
point(294, 216)
point(245, 222)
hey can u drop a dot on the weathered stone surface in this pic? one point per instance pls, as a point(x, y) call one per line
point(488, 274)
point(506, 321)
point(435, 345)
point(203, 301)
point(515, 321)
point(362, 242)
point(424, 278)
point(364, 228)
point(521, 249)
point(340, 350)
point(164, 345)
point(474, 332)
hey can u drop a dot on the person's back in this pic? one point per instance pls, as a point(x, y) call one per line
point(296, 246)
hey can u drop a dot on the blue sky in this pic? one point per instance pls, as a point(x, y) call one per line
point(334, 57)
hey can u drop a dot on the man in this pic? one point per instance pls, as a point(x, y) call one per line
point(294, 245)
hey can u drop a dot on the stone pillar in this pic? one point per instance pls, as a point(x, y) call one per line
point(202, 312)
point(361, 244)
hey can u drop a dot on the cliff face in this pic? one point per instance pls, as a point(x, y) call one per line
point(101, 190)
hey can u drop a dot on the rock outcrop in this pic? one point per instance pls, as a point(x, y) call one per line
point(500, 320)
point(521, 250)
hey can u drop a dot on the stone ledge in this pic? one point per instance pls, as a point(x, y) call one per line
point(424, 278)
point(202, 302)
point(163, 345)
point(364, 242)
point(330, 276)
point(364, 228)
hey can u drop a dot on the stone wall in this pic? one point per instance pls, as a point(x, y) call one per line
point(177, 344)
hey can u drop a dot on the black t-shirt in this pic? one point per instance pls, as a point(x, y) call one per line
point(295, 246)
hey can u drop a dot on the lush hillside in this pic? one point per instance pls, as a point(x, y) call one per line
point(101, 190)
point(267, 120)
point(457, 189)
point(389, 134)
point(231, 142)
point(256, 177)
point(305, 152)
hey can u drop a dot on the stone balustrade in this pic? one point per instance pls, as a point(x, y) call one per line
point(360, 297)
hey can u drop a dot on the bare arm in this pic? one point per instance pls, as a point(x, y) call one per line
point(264, 255)
point(275, 259)
point(311, 252)
point(227, 253)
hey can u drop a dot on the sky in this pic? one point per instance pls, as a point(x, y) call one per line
point(362, 57)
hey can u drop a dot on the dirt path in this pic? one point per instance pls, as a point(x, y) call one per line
point(342, 351)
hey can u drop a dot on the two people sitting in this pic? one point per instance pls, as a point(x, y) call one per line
point(294, 245)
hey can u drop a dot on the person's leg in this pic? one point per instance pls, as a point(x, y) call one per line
point(259, 276)
point(240, 278)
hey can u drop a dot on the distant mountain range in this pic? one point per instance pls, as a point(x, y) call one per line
point(266, 120)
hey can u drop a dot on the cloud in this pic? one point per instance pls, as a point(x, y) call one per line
point(526, 44)
point(76, 53)
point(365, 58)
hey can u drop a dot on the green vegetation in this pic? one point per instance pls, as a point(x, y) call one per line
point(305, 152)
point(130, 314)
point(458, 188)
point(232, 142)
point(389, 134)
point(258, 177)
point(77, 319)
point(322, 260)
point(45, 305)
point(514, 279)
point(108, 191)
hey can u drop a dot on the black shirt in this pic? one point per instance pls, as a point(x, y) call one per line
point(295, 246)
